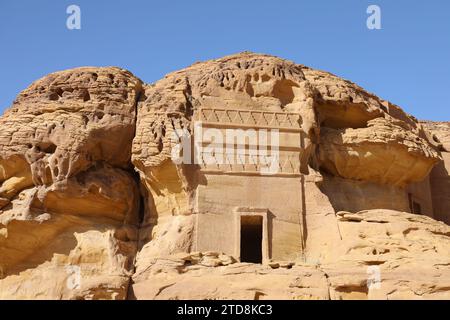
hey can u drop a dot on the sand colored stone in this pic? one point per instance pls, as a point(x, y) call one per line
point(95, 204)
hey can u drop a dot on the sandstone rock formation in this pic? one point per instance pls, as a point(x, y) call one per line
point(440, 181)
point(68, 188)
point(116, 189)
point(410, 252)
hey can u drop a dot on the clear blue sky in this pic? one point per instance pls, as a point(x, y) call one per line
point(407, 62)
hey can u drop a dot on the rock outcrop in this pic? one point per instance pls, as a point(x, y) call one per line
point(409, 255)
point(115, 189)
point(440, 177)
point(69, 193)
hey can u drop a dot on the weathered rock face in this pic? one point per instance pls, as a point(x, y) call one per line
point(410, 255)
point(95, 202)
point(253, 91)
point(69, 197)
point(365, 138)
point(440, 177)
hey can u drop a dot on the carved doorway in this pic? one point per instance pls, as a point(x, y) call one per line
point(251, 238)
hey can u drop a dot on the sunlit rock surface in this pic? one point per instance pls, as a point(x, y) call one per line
point(96, 204)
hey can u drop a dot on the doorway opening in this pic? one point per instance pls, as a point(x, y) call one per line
point(251, 238)
point(414, 206)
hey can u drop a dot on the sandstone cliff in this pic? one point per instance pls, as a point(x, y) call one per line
point(94, 205)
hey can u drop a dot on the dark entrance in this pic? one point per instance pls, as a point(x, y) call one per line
point(416, 208)
point(413, 205)
point(251, 239)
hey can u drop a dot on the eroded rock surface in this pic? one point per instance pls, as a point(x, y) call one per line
point(68, 223)
point(95, 204)
point(382, 255)
point(440, 177)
